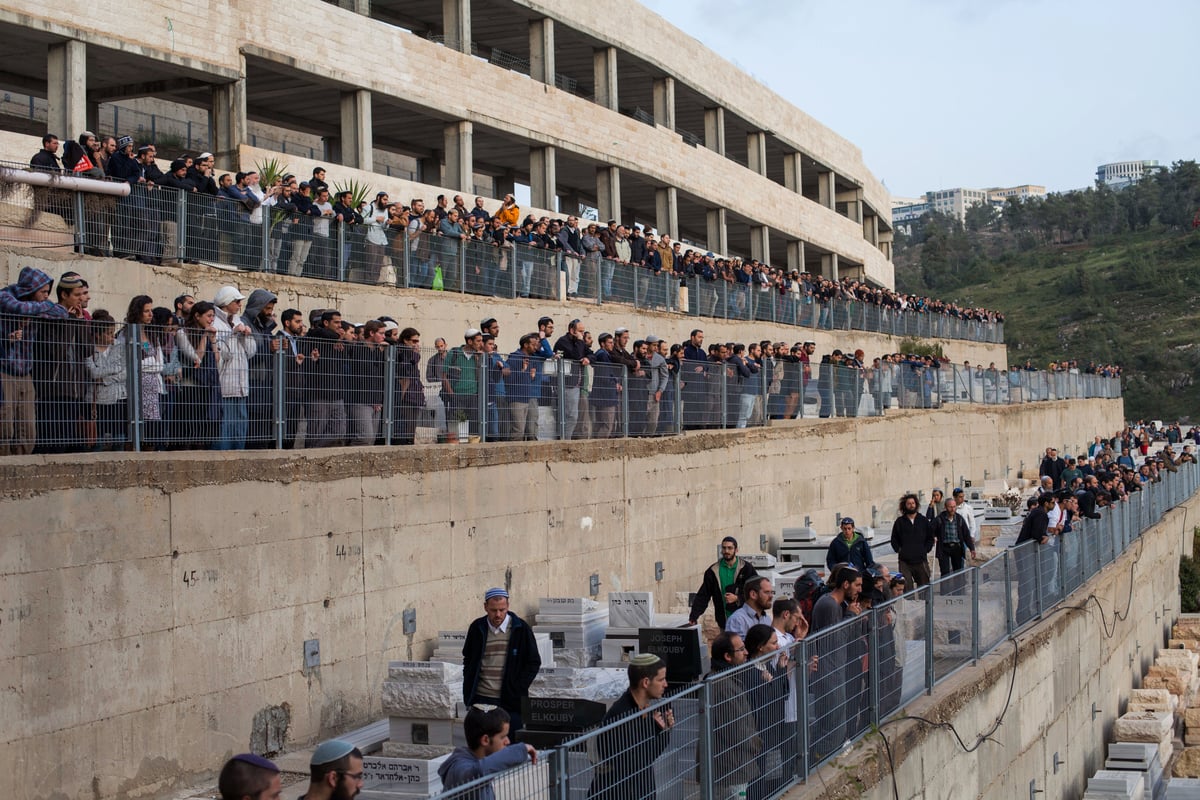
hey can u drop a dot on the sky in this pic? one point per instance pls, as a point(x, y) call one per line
point(976, 93)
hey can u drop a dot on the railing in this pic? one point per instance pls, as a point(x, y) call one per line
point(72, 384)
point(163, 225)
point(756, 729)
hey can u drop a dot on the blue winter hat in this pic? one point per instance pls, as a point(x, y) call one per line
point(494, 592)
point(330, 751)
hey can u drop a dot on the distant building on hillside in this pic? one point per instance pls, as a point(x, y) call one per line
point(1121, 174)
point(955, 202)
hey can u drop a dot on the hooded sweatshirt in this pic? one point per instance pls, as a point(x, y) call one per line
point(16, 301)
point(855, 552)
point(260, 364)
point(463, 766)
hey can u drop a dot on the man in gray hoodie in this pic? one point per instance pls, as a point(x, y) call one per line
point(487, 751)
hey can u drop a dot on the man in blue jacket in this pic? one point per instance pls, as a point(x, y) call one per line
point(487, 751)
point(850, 547)
point(500, 658)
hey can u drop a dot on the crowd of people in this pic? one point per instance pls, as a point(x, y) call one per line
point(203, 373)
point(503, 252)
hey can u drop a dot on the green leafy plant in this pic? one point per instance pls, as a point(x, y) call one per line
point(359, 192)
point(270, 171)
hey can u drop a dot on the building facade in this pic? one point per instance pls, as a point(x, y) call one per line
point(636, 120)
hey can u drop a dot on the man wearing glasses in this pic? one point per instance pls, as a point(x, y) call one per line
point(335, 771)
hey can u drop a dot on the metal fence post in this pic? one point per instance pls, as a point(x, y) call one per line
point(560, 389)
point(1039, 594)
point(678, 401)
point(802, 713)
point(483, 368)
point(975, 623)
point(80, 227)
point(180, 225)
point(1010, 623)
point(704, 758)
point(341, 251)
point(265, 240)
point(724, 397)
point(873, 666)
point(929, 673)
point(625, 401)
point(133, 386)
point(389, 393)
point(279, 395)
point(462, 267)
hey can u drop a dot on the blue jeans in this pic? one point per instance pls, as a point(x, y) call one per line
point(235, 423)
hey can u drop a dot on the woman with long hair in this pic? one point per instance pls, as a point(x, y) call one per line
point(141, 314)
point(163, 327)
point(199, 403)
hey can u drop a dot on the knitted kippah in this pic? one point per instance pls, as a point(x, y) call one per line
point(494, 592)
point(644, 659)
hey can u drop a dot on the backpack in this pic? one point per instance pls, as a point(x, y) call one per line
point(807, 590)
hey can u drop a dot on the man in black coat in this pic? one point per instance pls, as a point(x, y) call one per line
point(722, 584)
point(912, 539)
point(1033, 529)
point(500, 658)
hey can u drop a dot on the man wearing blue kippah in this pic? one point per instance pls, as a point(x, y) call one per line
point(249, 777)
point(335, 771)
point(500, 658)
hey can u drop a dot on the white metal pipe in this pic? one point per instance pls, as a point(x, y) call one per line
point(54, 180)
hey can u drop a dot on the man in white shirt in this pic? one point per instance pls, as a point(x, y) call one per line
point(967, 513)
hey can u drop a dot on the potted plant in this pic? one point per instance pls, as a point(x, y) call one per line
point(461, 429)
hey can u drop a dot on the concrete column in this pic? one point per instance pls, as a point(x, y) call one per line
point(604, 73)
point(666, 208)
point(829, 266)
point(332, 148)
point(543, 177)
point(793, 178)
point(870, 226)
point(760, 243)
point(229, 121)
point(357, 6)
point(756, 152)
point(853, 200)
point(66, 89)
point(456, 23)
point(93, 117)
point(429, 171)
point(827, 189)
point(460, 158)
point(504, 184)
point(664, 103)
point(885, 244)
point(714, 129)
point(795, 255)
point(718, 231)
point(357, 131)
point(608, 193)
point(541, 50)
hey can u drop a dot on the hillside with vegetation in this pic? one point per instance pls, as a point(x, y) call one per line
point(1094, 275)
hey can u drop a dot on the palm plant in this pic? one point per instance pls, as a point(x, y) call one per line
point(359, 192)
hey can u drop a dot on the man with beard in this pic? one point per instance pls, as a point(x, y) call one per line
point(829, 684)
point(722, 584)
point(626, 754)
point(335, 771)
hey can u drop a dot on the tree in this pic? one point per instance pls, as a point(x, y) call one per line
point(981, 216)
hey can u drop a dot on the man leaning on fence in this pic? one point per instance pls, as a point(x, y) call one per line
point(20, 305)
point(626, 754)
point(487, 751)
point(722, 584)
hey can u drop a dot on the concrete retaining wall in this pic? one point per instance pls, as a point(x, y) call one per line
point(153, 608)
point(1064, 665)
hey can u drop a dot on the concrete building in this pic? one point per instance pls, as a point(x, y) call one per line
point(567, 98)
point(1121, 174)
point(955, 202)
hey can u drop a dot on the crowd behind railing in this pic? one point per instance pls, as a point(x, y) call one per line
point(239, 371)
point(789, 692)
point(306, 228)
